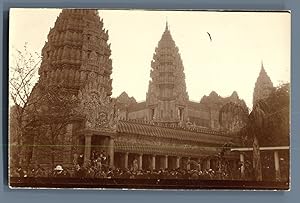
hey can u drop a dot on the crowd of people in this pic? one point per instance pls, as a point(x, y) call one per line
point(99, 167)
point(109, 173)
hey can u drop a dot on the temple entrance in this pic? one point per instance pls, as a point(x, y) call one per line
point(97, 148)
point(99, 145)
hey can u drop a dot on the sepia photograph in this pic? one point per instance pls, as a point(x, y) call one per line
point(149, 99)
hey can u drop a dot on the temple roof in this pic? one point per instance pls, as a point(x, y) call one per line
point(201, 135)
point(121, 146)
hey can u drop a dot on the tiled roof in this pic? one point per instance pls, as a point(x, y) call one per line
point(162, 150)
point(196, 135)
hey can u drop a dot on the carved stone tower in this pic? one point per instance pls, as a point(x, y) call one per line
point(77, 58)
point(77, 52)
point(76, 61)
point(167, 97)
point(263, 86)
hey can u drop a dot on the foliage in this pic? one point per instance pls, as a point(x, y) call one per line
point(277, 118)
point(268, 125)
point(270, 120)
point(23, 75)
point(40, 114)
point(22, 79)
point(55, 112)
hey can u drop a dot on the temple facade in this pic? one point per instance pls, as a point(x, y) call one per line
point(166, 131)
point(167, 101)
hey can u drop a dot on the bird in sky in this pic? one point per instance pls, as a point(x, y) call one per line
point(209, 36)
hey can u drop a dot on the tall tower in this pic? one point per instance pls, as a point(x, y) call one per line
point(76, 62)
point(77, 52)
point(167, 97)
point(263, 86)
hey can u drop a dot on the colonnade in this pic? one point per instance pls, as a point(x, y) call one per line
point(145, 160)
point(157, 161)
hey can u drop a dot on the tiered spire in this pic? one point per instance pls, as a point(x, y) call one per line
point(167, 94)
point(263, 86)
point(77, 51)
point(167, 25)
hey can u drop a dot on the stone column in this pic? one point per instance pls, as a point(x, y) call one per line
point(199, 164)
point(153, 162)
point(87, 148)
point(140, 161)
point(111, 151)
point(208, 164)
point(166, 162)
point(277, 166)
point(126, 160)
point(242, 160)
point(188, 166)
point(177, 162)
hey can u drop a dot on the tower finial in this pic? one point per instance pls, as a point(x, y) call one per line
point(262, 65)
point(167, 25)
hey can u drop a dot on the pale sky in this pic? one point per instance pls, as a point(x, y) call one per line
point(231, 62)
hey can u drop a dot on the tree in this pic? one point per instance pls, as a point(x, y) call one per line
point(39, 114)
point(268, 125)
point(256, 122)
point(56, 110)
point(22, 78)
point(277, 117)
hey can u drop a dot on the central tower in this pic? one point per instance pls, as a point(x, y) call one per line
point(167, 98)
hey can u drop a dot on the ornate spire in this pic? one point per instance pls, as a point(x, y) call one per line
point(77, 51)
point(263, 85)
point(167, 25)
point(262, 69)
point(167, 94)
